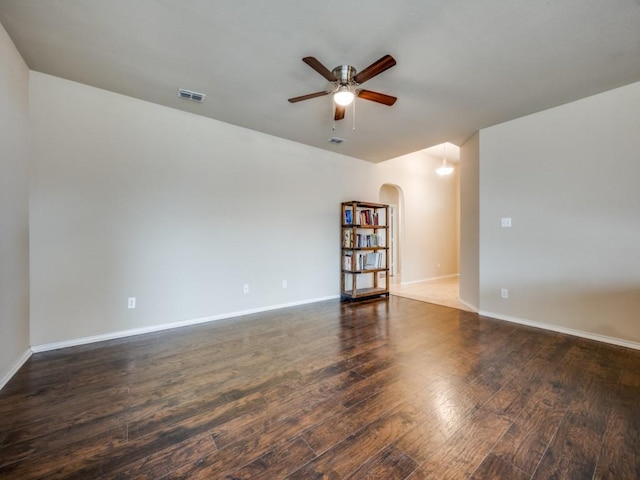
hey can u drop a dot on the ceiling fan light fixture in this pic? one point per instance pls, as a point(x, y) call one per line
point(343, 96)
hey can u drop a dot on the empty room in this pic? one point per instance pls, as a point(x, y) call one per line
point(211, 214)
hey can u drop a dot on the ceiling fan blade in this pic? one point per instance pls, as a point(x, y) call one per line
point(320, 68)
point(339, 113)
point(308, 96)
point(375, 68)
point(377, 97)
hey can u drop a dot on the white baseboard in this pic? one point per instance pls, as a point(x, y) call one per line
point(14, 368)
point(468, 305)
point(155, 328)
point(166, 326)
point(430, 279)
point(568, 331)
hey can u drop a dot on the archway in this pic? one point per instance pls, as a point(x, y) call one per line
point(392, 196)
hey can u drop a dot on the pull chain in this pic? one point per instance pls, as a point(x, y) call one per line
point(333, 115)
point(354, 114)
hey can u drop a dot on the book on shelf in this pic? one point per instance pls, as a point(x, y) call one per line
point(369, 217)
point(348, 218)
point(372, 261)
point(365, 216)
point(346, 261)
point(347, 238)
point(368, 241)
point(353, 261)
point(359, 261)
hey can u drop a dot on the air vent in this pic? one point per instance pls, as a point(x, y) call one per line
point(336, 140)
point(189, 95)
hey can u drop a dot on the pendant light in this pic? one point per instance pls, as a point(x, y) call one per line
point(444, 169)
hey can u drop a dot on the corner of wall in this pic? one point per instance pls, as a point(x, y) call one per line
point(470, 222)
point(15, 138)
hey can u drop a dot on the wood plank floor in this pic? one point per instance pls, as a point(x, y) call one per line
point(385, 389)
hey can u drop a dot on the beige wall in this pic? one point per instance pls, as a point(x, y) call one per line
point(470, 222)
point(429, 219)
point(180, 211)
point(568, 178)
point(14, 208)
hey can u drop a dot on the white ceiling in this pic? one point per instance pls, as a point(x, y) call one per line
point(461, 64)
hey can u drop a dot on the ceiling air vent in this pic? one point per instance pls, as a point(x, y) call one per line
point(336, 140)
point(189, 95)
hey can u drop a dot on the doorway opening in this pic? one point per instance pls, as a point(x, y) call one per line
point(423, 265)
point(392, 196)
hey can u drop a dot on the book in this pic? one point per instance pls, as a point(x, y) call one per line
point(348, 219)
point(347, 262)
point(347, 240)
point(372, 261)
point(365, 217)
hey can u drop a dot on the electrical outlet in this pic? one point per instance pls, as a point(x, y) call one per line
point(506, 222)
point(131, 302)
point(246, 288)
point(284, 284)
point(504, 293)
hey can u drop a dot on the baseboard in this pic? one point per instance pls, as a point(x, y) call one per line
point(568, 331)
point(468, 305)
point(430, 279)
point(167, 326)
point(16, 366)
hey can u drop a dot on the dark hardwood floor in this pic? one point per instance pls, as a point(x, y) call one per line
point(385, 389)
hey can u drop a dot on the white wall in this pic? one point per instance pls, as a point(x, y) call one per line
point(134, 199)
point(429, 216)
point(470, 222)
point(569, 178)
point(14, 208)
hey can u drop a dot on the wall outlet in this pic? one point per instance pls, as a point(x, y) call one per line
point(246, 288)
point(504, 293)
point(284, 284)
point(131, 302)
point(506, 222)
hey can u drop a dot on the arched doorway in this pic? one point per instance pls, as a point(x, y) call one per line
point(392, 196)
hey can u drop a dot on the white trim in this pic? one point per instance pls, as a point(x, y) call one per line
point(14, 369)
point(166, 326)
point(430, 279)
point(568, 331)
point(468, 305)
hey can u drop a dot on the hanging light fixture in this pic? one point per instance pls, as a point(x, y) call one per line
point(344, 96)
point(444, 169)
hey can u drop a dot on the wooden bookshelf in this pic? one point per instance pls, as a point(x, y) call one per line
point(365, 250)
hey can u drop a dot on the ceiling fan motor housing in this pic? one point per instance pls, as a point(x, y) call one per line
point(345, 74)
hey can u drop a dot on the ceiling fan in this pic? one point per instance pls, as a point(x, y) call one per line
point(345, 82)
